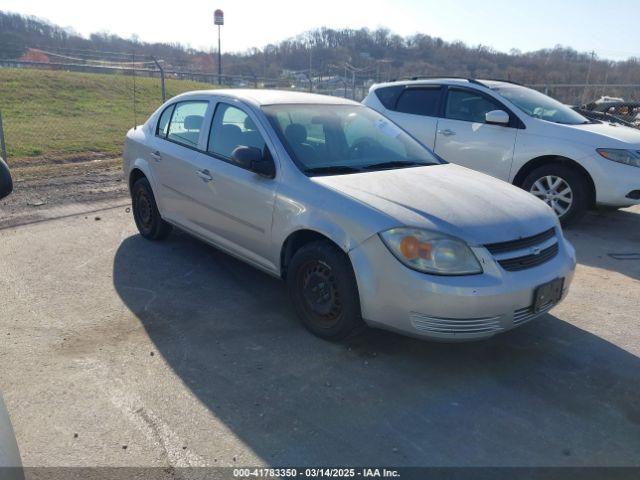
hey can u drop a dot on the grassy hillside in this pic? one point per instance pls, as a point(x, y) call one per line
point(57, 114)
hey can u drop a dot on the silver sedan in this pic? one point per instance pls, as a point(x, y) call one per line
point(365, 224)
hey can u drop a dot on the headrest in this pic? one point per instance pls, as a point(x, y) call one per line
point(230, 130)
point(248, 123)
point(296, 133)
point(193, 122)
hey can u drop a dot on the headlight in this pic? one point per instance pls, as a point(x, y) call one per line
point(628, 157)
point(431, 252)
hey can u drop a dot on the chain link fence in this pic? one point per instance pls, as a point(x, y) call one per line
point(70, 112)
point(65, 113)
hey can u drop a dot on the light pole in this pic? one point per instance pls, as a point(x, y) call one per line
point(218, 19)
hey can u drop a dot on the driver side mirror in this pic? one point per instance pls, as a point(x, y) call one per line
point(497, 117)
point(6, 184)
point(252, 159)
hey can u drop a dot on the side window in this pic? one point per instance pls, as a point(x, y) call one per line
point(186, 123)
point(469, 106)
point(388, 96)
point(163, 123)
point(420, 101)
point(232, 128)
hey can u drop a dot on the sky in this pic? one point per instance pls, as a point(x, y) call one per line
point(610, 28)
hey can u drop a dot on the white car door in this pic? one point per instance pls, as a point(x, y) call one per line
point(463, 136)
point(416, 111)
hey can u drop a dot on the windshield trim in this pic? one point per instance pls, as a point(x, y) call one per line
point(438, 160)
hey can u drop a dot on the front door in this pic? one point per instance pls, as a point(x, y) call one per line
point(241, 206)
point(463, 136)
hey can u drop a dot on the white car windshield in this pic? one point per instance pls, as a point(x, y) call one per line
point(539, 105)
point(333, 139)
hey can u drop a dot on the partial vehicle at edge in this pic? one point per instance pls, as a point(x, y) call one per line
point(521, 136)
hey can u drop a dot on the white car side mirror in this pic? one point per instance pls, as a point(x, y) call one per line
point(497, 117)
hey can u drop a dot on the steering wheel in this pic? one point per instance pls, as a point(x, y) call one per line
point(360, 147)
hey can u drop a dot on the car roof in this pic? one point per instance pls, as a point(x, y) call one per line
point(487, 83)
point(260, 97)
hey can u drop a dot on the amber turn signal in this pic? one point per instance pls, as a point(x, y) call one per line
point(413, 248)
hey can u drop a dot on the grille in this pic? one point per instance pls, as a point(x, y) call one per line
point(517, 255)
point(529, 261)
point(452, 326)
point(523, 315)
point(503, 247)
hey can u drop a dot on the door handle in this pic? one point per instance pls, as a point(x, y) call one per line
point(205, 175)
point(447, 132)
point(156, 156)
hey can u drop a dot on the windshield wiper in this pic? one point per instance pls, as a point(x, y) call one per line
point(329, 169)
point(394, 164)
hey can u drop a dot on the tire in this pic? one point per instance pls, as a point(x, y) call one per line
point(145, 212)
point(545, 176)
point(323, 290)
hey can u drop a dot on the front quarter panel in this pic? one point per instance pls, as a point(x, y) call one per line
point(531, 144)
point(304, 205)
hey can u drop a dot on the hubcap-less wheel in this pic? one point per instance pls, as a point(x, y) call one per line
point(555, 192)
point(144, 210)
point(320, 293)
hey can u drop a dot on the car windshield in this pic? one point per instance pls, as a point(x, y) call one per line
point(337, 139)
point(539, 105)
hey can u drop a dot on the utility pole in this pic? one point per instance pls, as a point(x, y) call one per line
point(584, 93)
point(218, 19)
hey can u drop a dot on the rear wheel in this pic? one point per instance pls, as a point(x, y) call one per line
point(145, 212)
point(564, 189)
point(323, 289)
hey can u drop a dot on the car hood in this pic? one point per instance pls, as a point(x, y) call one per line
point(448, 198)
point(598, 135)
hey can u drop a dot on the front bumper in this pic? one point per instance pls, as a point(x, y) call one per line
point(451, 308)
point(614, 181)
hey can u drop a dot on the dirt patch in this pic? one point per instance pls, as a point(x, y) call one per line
point(43, 184)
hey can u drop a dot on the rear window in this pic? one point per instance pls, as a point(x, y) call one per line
point(419, 101)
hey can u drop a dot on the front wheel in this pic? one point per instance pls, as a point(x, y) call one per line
point(323, 290)
point(564, 189)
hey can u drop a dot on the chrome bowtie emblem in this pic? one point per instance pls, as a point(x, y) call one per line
point(535, 250)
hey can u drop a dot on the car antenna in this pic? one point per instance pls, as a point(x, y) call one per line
point(133, 66)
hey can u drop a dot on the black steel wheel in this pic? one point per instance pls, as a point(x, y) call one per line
point(145, 212)
point(323, 289)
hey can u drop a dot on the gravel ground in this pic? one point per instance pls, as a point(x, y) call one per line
point(49, 188)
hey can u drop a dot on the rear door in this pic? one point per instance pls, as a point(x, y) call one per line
point(463, 136)
point(416, 110)
point(177, 160)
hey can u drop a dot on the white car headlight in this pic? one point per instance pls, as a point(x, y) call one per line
point(628, 157)
point(431, 252)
